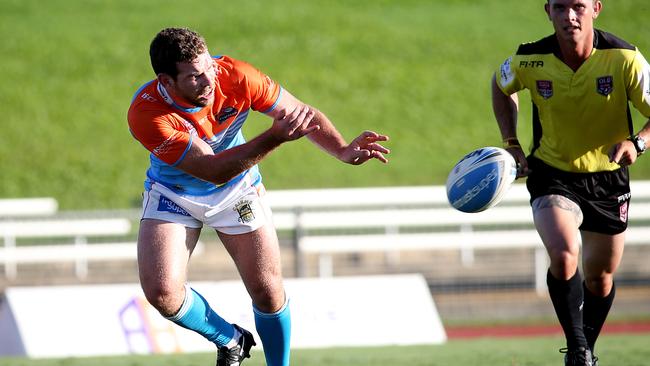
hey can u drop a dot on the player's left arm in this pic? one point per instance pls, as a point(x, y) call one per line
point(638, 91)
point(364, 147)
point(624, 153)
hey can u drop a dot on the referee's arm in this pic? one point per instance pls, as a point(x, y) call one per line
point(506, 109)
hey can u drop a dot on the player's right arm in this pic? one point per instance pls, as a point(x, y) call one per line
point(506, 107)
point(170, 141)
point(201, 162)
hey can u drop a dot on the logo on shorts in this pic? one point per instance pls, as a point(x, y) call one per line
point(245, 211)
point(545, 88)
point(622, 211)
point(624, 197)
point(165, 204)
point(605, 85)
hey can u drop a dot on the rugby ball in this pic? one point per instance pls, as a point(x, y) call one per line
point(481, 179)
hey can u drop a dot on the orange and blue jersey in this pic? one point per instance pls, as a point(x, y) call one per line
point(167, 129)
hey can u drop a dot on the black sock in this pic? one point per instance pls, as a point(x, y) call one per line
point(567, 298)
point(594, 314)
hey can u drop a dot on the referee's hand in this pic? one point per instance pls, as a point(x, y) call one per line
point(624, 153)
point(520, 158)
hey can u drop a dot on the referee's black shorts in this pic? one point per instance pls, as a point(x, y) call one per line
point(603, 197)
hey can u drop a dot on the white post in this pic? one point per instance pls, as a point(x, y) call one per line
point(541, 267)
point(392, 257)
point(10, 260)
point(325, 266)
point(81, 261)
point(466, 251)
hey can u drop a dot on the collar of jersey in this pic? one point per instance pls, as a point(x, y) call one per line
point(168, 99)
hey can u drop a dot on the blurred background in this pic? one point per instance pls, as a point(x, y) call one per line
point(415, 70)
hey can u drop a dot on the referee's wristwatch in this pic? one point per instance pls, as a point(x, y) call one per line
point(639, 144)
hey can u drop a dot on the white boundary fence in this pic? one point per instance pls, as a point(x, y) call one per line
point(28, 207)
point(316, 218)
point(389, 209)
point(79, 251)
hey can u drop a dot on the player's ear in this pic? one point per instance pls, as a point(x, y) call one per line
point(547, 9)
point(598, 6)
point(166, 80)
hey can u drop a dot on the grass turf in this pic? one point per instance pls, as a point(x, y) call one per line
point(416, 70)
point(629, 350)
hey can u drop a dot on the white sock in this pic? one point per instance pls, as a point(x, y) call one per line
point(235, 339)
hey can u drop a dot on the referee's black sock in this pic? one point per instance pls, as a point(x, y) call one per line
point(594, 314)
point(567, 298)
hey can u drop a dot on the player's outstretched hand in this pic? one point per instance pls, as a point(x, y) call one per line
point(623, 153)
point(364, 148)
point(294, 124)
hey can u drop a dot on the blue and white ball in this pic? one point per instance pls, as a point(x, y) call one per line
point(481, 179)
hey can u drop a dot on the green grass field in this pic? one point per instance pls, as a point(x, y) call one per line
point(413, 69)
point(619, 350)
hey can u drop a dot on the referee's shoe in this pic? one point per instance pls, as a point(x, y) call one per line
point(235, 355)
point(580, 356)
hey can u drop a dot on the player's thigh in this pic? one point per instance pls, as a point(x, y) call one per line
point(257, 257)
point(557, 219)
point(164, 249)
point(601, 256)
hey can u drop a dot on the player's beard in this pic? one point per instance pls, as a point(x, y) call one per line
point(201, 100)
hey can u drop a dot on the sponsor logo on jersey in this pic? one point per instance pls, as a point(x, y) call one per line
point(189, 127)
point(148, 97)
point(226, 113)
point(545, 88)
point(506, 72)
point(164, 146)
point(245, 211)
point(605, 85)
point(532, 63)
point(167, 205)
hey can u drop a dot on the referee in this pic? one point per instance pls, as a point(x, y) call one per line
point(581, 81)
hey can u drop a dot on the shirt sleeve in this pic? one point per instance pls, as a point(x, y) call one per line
point(507, 78)
point(639, 86)
point(263, 91)
point(165, 136)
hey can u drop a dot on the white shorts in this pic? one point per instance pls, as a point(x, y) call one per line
point(235, 210)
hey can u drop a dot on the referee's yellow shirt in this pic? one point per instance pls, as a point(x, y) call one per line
point(578, 116)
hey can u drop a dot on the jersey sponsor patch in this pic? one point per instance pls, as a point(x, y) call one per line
point(167, 205)
point(545, 88)
point(164, 146)
point(226, 113)
point(531, 63)
point(506, 72)
point(605, 85)
point(148, 97)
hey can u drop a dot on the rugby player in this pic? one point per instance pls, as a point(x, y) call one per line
point(203, 172)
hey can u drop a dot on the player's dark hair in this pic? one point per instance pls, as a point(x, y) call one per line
point(592, 1)
point(173, 45)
